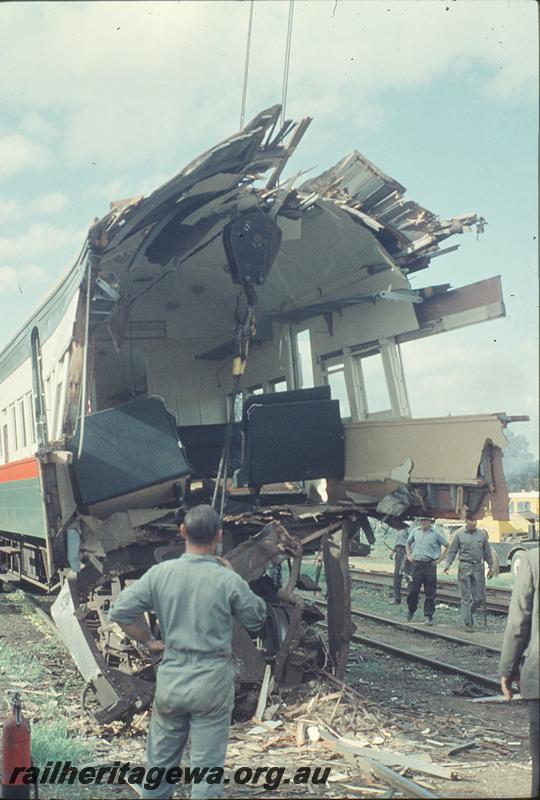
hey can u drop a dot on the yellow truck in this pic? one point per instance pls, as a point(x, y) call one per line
point(509, 539)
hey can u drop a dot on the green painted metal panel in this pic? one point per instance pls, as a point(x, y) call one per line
point(21, 508)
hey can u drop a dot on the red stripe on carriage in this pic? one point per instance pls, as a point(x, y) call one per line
point(19, 470)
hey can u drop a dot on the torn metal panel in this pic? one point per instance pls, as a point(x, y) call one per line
point(408, 230)
point(116, 692)
point(425, 465)
point(119, 530)
point(250, 661)
point(447, 310)
point(251, 557)
point(442, 449)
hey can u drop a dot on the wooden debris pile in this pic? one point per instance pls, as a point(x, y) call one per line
point(366, 748)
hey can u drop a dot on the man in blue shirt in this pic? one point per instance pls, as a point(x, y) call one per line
point(197, 599)
point(426, 546)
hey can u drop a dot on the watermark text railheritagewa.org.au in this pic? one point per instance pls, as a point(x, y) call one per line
point(59, 773)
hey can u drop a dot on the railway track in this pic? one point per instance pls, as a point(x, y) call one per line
point(444, 653)
point(497, 600)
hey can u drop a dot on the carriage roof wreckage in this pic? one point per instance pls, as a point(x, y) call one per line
point(190, 356)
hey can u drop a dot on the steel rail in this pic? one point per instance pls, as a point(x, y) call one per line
point(499, 606)
point(495, 591)
point(420, 629)
point(423, 631)
point(408, 655)
point(442, 666)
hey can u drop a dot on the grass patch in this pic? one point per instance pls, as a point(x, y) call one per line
point(52, 742)
point(17, 663)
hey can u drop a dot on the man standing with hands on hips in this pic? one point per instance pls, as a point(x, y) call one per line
point(197, 599)
point(424, 551)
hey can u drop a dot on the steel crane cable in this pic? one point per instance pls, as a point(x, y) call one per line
point(244, 332)
point(246, 65)
point(287, 61)
point(286, 64)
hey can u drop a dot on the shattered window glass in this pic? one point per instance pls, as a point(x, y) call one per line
point(336, 380)
point(305, 366)
point(375, 384)
point(237, 404)
point(279, 385)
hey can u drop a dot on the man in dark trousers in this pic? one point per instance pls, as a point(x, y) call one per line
point(520, 656)
point(197, 599)
point(426, 546)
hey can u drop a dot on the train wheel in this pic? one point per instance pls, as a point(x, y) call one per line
point(496, 568)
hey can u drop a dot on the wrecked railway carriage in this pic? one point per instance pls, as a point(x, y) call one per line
point(194, 347)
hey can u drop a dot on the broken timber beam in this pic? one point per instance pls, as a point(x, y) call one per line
point(338, 582)
point(392, 778)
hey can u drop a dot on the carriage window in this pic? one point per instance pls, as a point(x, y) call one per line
point(375, 384)
point(15, 437)
point(30, 419)
point(256, 390)
point(305, 364)
point(39, 392)
point(57, 422)
point(5, 443)
point(22, 423)
point(280, 385)
point(335, 377)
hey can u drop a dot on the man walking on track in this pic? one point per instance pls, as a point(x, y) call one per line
point(424, 551)
point(197, 599)
point(472, 545)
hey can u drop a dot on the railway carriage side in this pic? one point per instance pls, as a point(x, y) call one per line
point(35, 391)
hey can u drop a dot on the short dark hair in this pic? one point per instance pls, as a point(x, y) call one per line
point(202, 524)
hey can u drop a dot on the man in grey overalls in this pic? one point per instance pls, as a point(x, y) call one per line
point(472, 545)
point(197, 599)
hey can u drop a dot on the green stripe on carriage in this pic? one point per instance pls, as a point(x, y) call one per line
point(21, 508)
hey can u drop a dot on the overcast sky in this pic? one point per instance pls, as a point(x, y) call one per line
point(100, 101)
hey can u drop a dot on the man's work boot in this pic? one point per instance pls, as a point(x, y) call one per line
point(429, 621)
point(410, 615)
point(396, 602)
point(468, 628)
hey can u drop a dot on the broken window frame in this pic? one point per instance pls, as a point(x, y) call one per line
point(235, 406)
point(335, 365)
point(303, 361)
point(272, 385)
